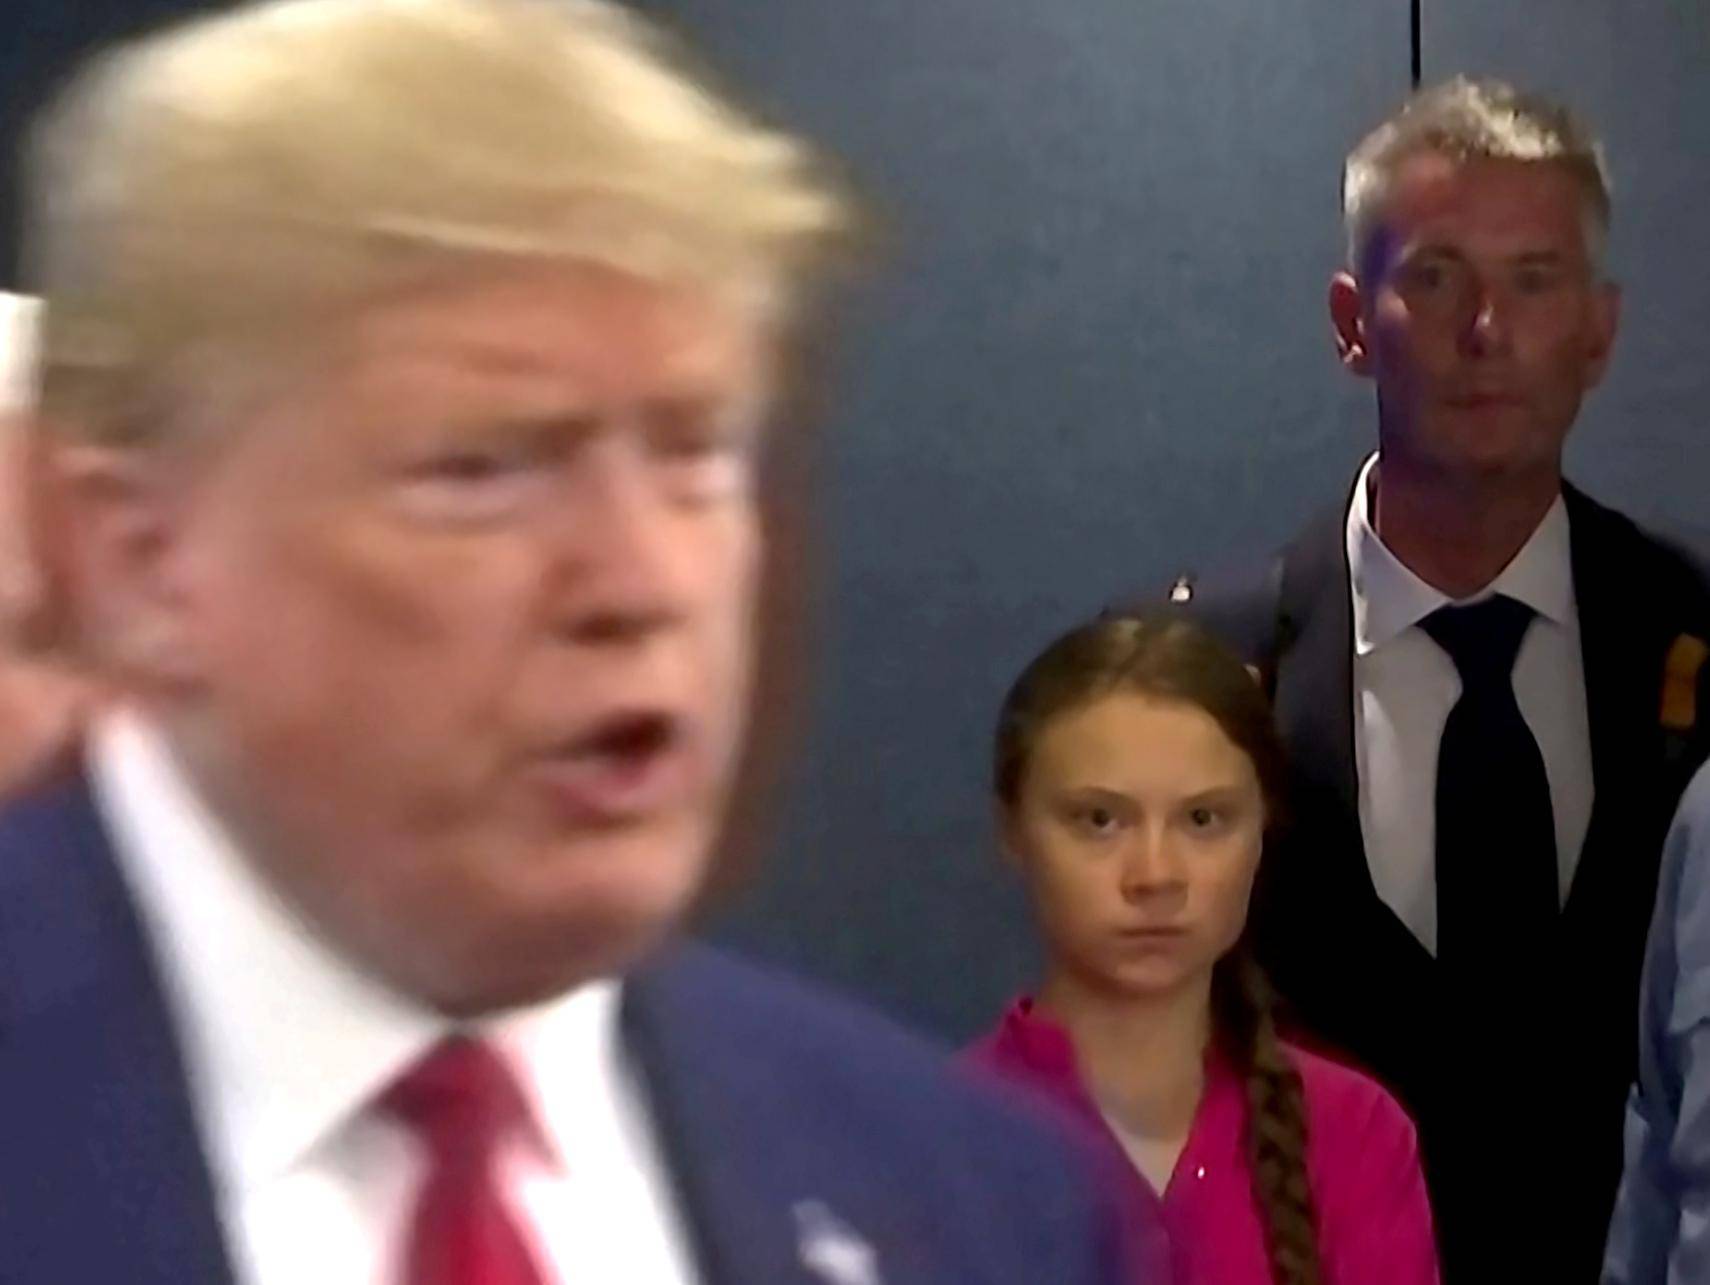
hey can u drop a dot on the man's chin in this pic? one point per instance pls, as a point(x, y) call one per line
point(531, 945)
point(1497, 455)
point(526, 969)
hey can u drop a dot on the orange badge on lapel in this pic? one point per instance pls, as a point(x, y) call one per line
point(1680, 683)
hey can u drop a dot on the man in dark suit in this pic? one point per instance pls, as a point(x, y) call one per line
point(401, 371)
point(1489, 684)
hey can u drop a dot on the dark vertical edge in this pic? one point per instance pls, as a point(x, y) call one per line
point(1416, 24)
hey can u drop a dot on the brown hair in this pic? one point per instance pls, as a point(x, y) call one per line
point(1171, 658)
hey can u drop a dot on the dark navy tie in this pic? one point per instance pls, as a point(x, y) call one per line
point(1497, 898)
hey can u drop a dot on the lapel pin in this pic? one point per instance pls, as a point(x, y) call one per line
point(1680, 683)
point(831, 1249)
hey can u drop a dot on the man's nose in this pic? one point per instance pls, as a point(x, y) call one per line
point(1487, 332)
point(618, 549)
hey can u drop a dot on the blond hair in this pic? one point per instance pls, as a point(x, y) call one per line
point(225, 184)
point(1466, 119)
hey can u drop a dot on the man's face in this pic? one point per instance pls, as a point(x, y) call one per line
point(465, 624)
point(1479, 314)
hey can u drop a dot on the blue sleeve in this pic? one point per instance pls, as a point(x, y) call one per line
point(1661, 1227)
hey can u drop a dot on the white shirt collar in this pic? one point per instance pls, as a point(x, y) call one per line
point(286, 1041)
point(1389, 598)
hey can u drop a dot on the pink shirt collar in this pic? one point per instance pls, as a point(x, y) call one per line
point(1029, 1038)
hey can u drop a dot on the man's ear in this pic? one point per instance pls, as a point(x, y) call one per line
point(110, 527)
point(1606, 321)
point(1347, 320)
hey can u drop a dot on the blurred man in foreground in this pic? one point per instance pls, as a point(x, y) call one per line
point(403, 365)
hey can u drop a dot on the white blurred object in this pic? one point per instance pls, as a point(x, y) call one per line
point(831, 1249)
point(18, 584)
point(18, 315)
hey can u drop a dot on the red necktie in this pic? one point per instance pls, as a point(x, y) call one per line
point(461, 1103)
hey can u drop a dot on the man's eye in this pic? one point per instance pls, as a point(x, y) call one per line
point(473, 466)
point(1535, 280)
point(466, 485)
point(706, 463)
point(1425, 277)
point(713, 439)
point(1204, 818)
point(696, 444)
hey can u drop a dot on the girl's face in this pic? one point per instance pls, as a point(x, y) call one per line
point(1138, 825)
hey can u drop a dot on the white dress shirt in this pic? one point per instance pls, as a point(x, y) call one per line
point(1405, 685)
point(287, 1045)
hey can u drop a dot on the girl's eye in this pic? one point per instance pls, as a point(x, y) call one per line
point(1095, 819)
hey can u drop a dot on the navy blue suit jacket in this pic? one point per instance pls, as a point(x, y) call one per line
point(777, 1109)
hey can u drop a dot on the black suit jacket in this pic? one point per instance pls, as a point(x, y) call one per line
point(786, 1118)
point(1512, 1202)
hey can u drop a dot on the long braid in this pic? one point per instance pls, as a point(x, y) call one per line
point(1276, 1121)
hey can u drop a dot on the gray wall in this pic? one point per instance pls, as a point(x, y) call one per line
point(1098, 351)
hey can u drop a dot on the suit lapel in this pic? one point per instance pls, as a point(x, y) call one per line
point(1623, 640)
point(102, 1166)
point(710, 1105)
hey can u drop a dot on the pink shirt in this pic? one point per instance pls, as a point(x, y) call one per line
point(1374, 1222)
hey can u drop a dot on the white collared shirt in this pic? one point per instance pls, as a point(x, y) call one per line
point(1405, 685)
point(286, 1046)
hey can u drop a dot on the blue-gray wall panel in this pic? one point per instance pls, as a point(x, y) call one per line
point(1097, 351)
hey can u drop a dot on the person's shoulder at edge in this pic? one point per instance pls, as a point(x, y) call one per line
point(1692, 820)
point(1683, 894)
point(1363, 1155)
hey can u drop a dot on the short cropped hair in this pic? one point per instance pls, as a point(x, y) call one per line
point(223, 184)
point(1466, 119)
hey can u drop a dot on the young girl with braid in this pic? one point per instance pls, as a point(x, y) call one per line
point(1137, 773)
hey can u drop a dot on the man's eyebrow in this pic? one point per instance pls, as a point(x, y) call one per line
point(1432, 250)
